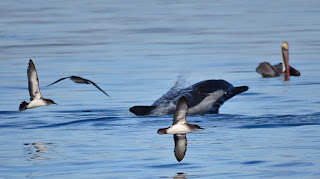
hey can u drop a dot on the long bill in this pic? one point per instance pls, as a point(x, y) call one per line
point(285, 64)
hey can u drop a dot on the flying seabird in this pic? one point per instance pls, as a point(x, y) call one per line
point(179, 129)
point(78, 79)
point(203, 97)
point(266, 70)
point(36, 99)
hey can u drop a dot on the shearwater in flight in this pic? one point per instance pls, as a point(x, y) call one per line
point(36, 98)
point(78, 79)
point(179, 129)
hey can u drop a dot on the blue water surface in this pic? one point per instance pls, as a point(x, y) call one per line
point(136, 51)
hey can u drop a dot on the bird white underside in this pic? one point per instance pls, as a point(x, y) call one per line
point(36, 103)
point(206, 104)
point(179, 129)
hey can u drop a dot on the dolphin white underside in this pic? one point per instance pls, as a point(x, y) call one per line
point(206, 104)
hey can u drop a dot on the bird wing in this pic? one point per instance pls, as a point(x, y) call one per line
point(181, 111)
point(266, 70)
point(58, 80)
point(33, 82)
point(180, 146)
point(98, 87)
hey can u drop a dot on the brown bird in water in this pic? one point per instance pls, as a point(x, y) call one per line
point(266, 70)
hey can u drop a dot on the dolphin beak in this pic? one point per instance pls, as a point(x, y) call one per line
point(285, 59)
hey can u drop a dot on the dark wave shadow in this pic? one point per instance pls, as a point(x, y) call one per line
point(253, 162)
point(293, 164)
point(85, 111)
point(170, 165)
point(276, 125)
point(9, 112)
point(77, 122)
point(274, 121)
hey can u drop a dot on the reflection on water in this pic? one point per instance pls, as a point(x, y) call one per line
point(180, 175)
point(37, 150)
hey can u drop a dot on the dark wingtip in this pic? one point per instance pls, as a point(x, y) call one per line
point(107, 94)
point(182, 98)
point(30, 61)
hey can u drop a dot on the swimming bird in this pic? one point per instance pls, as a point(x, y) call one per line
point(179, 129)
point(36, 98)
point(266, 70)
point(203, 97)
point(78, 79)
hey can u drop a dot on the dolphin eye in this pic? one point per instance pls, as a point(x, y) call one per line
point(225, 93)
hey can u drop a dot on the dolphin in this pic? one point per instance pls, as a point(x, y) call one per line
point(204, 97)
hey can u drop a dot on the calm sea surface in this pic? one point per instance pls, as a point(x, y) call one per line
point(135, 51)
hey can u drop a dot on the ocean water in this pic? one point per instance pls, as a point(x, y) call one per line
point(136, 51)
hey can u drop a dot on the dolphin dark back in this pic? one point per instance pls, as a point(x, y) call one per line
point(209, 86)
point(218, 90)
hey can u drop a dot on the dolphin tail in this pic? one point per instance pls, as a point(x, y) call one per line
point(142, 110)
point(23, 106)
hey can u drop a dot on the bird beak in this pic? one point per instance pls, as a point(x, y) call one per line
point(285, 59)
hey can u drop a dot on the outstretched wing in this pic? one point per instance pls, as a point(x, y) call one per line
point(58, 80)
point(98, 87)
point(181, 111)
point(33, 82)
point(180, 146)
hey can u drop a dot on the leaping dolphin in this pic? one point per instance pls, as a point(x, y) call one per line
point(203, 97)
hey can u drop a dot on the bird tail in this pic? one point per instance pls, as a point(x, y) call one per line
point(162, 131)
point(23, 106)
